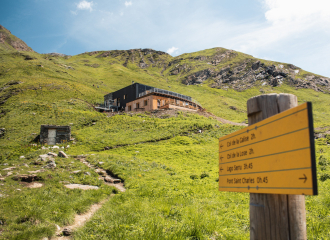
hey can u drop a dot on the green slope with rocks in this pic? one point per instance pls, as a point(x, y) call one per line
point(148, 151)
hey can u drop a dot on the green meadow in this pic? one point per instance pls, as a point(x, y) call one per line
point(169, 168)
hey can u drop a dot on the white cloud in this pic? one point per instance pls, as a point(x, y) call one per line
point(128, 3)
point(286, 21)
point(172, 50)
point(84, 5)
point(299, 12)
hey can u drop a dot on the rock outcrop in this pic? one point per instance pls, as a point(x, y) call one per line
point(248, 74)
point(10, 42)
point(142, 58)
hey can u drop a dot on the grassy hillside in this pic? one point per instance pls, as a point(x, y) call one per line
point(169, 168)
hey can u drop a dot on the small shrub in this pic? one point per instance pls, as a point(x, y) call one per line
point(194, 176)
point(204, 175)
point(324, 177)
point(323, 161)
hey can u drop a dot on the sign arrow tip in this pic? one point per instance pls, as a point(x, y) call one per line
point(304, 178)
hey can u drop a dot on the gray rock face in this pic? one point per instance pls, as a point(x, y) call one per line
point(198, 77)
point(256, 65)
point(143, 64)
point(248, 74)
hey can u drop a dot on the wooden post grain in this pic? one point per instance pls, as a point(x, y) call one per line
point(275, 216)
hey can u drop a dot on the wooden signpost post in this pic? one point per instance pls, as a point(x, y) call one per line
point(273, 157)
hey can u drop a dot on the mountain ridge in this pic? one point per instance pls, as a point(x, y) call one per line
point(10, 42)
point(217, 67)
point(220, 79)
point(223, 69)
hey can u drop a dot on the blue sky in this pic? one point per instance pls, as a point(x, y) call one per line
point(291, 31)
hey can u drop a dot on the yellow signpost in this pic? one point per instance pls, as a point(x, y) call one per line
point(276, 155)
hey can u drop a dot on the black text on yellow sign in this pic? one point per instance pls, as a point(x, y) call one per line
point(276, 155)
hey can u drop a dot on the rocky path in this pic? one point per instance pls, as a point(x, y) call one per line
point(79, 221)
point(65, 232)
point(104, 175)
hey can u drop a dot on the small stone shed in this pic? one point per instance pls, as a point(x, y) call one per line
point(52, 134)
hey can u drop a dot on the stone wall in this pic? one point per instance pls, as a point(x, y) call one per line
point(63, 134)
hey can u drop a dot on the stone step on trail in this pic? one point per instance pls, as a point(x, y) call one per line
point(107, 178)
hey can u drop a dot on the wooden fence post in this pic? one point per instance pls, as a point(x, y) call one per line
point(275, 216)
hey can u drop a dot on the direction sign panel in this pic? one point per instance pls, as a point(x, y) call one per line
point(276, 155)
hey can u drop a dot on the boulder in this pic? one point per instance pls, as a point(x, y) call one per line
point(100, 172)
point(112, 180)
point(80, 186)
point(62, 154)
point(35, 185)
point(37, 171)
point(51, 164)
point(9, 169)
point(44, 157)
point(52, 154)
point(27, 178)
point(67, 231)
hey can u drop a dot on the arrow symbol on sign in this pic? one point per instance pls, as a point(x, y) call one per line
point(305, 178)
point(221, 169)
point(221, 146)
